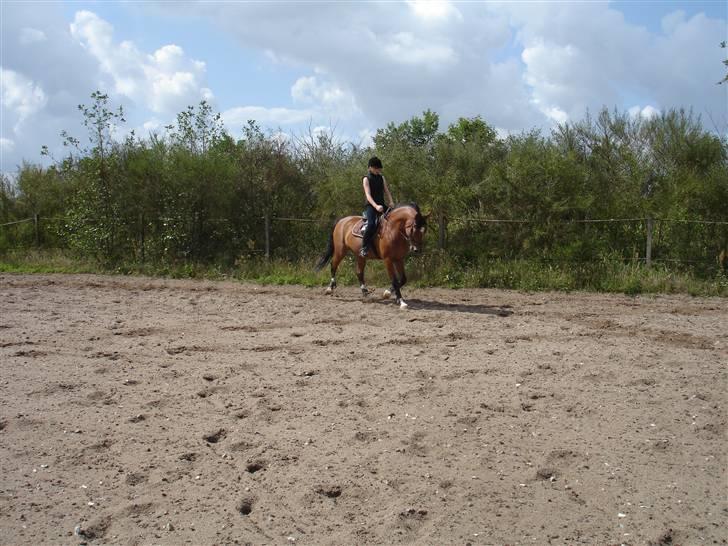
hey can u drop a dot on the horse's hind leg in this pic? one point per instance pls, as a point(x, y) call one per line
point(360, 265)
point(335, 261)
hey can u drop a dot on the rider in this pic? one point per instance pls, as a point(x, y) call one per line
point(375, 188)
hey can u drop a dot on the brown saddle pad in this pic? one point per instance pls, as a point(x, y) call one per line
point(356, 231)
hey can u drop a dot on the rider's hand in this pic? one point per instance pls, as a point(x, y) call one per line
point(380, 208)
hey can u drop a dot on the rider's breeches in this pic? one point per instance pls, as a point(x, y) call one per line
point(372, 218)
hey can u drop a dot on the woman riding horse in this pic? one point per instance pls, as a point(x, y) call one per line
point(402, 229)
point(375, 188)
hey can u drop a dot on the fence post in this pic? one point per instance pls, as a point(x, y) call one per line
point(141, 225)
point(648, 249)
point(267, 236)
point(36, 227)
point(442, 235)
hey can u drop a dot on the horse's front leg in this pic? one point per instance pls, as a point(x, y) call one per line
point(399, 269)
point(393, 274)
point(399, 266)
point(360, 265)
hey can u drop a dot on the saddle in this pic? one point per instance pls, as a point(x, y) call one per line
point(359, 228)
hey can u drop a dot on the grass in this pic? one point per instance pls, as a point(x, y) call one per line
point(45, 261)
point(436, 269)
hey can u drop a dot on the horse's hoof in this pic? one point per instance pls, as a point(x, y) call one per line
point(329, 291)
point(403, 305)
point(386, 295)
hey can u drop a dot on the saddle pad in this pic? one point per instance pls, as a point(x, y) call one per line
point(357, 230)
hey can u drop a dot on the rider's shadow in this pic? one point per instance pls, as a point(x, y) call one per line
point(424, 305)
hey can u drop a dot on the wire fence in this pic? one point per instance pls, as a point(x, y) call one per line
point(642, 248)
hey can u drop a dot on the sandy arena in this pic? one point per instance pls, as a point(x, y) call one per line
point(148, 411)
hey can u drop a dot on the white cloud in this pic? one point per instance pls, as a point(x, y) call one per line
point(406, 48)
point(545, 72)
point(327, 97)
point(151, 125)
point(672, 21)
point(556, 114)
point(393, 62)
point(366, 137)
point(30, 35)
point(357, 65)
point(321, 130)
point(164, 81)
point(6, 144)
point(281, 137)
point(586, 55)
point(319, 100)
point(433, 9)
point(21, 97)
point(647, 112)
point(237, 117)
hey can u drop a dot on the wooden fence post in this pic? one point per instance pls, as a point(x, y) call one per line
point(442, 234)
point(37, 229)
point(648, 249)
point(267, 236)
point(141, 225)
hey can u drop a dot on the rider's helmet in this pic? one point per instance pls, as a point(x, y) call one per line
point(375, 162)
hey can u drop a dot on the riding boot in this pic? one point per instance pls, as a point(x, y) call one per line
point(370, 232)
point(365, 242)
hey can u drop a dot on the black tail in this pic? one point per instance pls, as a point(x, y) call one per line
point(329, 251)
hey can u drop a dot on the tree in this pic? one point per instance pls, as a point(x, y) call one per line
point(94, 216)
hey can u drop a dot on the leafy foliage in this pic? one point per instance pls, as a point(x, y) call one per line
point(195, 194)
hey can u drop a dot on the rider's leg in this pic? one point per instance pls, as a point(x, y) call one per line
point(371, 216)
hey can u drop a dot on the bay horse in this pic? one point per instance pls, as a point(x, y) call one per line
point(401, 230)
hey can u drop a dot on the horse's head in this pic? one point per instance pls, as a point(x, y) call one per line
point(414, 226)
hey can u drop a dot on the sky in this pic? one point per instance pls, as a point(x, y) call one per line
point(352, 67)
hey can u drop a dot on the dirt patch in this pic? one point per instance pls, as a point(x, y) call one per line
point(136, 411)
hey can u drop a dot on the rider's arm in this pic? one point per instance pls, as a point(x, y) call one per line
point(389, 195)
point(368, 193)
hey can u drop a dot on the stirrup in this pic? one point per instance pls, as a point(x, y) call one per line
point(363, 252)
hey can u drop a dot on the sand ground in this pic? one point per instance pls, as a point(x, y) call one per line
point(145, 411)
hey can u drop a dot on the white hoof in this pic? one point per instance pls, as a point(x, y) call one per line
point(329, 291)
point(403, 305)
point(387, 294)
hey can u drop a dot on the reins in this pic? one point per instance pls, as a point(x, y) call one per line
point(385, 216)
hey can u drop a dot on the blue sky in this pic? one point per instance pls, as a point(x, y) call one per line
point(356, 65)
point(230, 67)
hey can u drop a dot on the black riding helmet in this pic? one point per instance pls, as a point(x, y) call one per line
point(375, 162)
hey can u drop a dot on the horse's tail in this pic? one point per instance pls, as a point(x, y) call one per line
point(329, 250)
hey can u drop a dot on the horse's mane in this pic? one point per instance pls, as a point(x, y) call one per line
point(419, 219)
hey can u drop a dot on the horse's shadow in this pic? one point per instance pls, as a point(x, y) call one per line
point(424, 305)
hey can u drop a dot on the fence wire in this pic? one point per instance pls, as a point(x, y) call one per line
point(649, 230)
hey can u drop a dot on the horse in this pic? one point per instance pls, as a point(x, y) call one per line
point(401, 231)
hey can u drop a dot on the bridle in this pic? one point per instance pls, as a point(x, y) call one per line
point(408, 234)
